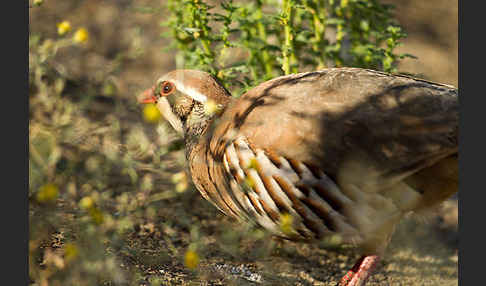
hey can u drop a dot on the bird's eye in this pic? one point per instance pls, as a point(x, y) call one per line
point(167, 88)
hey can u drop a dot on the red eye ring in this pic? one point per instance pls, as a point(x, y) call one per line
point(166, 88)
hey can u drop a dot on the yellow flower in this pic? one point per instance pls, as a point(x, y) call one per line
point(286, 221)
point(191, 259)
point(221, 73)
point(38, 2)
point(181, 187)
point(253, 164)
point(47, 193)
point(339, 11)
point(179, 177)
point(249, 183)
point(63, 27)
point(331, 241)
point(86, 203)
point(211, 107)
point(96, 215)
point(151, 113)
point(70, 251)
point(81, 36)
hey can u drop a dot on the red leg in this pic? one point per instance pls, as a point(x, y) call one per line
point(360, 272)
point(346, 278)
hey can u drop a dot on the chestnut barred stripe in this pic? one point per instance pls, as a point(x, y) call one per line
point(230, 155)
point(244, 206)
point(245, 155)
point(274, 159)
point(225, 193)
point(309, 219)
point(251, 201)
point(272, 191)
point(254, 201)
point(316, 172)
point(264, 169)
point(296, 166)
point(330, 217)
point(266, 185)
point(331, 198)
point(262, 213)
point(288, 171)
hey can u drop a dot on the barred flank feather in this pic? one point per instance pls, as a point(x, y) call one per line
point(282, 186)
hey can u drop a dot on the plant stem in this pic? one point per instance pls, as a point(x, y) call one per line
point(262, 34)
point(207, 47)
point(287, 53)
point(319, 27)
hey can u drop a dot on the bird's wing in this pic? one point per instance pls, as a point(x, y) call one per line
point(359, 126)
point(365, 130)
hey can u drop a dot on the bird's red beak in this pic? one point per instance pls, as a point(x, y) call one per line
point(147, 96)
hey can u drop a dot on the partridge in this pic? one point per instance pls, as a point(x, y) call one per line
point(343, 152)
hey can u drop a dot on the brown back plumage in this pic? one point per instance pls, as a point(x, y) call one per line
point(350, 118)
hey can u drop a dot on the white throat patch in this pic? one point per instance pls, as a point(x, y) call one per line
point(166, 110)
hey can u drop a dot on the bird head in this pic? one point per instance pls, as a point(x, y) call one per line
point(187, 99)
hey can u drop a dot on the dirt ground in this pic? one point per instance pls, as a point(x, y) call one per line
point(125, 45)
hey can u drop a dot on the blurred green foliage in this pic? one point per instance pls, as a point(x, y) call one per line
point(93, 171)
point(244, 43)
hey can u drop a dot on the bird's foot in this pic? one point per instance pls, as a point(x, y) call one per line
point(360, 272)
